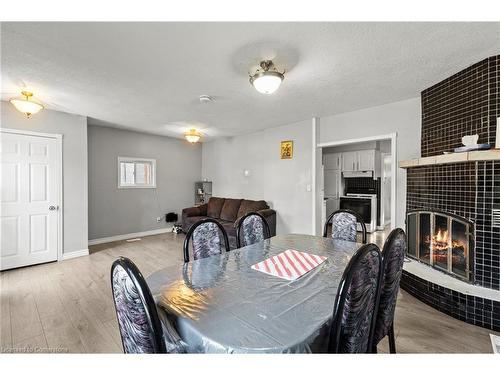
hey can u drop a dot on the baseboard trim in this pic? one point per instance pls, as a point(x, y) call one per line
point(75, 254)
point(127, 236)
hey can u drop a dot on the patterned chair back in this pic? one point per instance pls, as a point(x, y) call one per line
point(393, 258)
point(138, 321)
point(251, 228)
point(356, 303)
point(344, 225)
point(207, 237)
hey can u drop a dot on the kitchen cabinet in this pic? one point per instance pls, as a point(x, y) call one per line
point(366, 160)
point(349, 161)
point(331, 183)
point(361, 161)
point(333, 161)
point(331, 205)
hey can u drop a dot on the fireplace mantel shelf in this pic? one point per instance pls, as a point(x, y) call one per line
point(461, 157)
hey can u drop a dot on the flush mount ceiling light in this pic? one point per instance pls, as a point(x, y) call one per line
point(26, 105)
point(267, 79)
point(192, 136)
point(205, 99)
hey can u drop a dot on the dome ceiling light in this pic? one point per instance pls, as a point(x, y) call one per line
point(205, 99)
point(27, 105)
point(193, 136)
point(267, 79)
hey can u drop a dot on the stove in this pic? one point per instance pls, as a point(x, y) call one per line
point(363, 204)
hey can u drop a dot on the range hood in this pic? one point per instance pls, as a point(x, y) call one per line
point(357, 174)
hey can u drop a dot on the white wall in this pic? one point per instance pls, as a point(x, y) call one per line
point(114, 211)
point(282, 183)
point(74, 131)
point(403, 118)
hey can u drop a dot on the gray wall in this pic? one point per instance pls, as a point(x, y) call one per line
point(282, 183)
point(114, 211)
point(74, 131)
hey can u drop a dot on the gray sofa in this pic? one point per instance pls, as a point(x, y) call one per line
point(227, 211)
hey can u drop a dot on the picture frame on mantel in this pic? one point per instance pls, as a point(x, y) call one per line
point(286, 149)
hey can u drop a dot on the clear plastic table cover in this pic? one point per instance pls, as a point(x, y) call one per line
point(221, 305)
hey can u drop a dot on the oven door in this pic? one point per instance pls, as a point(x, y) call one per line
point(362, 206)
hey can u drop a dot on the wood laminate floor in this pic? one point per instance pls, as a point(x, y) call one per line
point(67, 306)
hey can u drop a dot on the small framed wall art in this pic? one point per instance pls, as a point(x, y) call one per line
point(286, 149)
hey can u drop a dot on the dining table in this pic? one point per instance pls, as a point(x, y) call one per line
point(219, 304)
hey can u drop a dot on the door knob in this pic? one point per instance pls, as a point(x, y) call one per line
point(53, 208)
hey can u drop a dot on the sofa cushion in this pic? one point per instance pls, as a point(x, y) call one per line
point(215, 207)
point(228, 226)
point(251, 206)
point(230, 209)
point(190, 220)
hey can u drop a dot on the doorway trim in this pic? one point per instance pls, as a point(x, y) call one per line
point(60, 215)
point(382, 195)
point(390, 136)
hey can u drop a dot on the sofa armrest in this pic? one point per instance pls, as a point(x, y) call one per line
point(270, 216)
point(192, 211)
point(195, 211)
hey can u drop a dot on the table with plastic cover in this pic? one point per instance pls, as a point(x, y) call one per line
point(220, 305)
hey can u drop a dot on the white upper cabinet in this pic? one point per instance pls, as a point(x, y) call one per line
point(349, 161)
point(366, 160)
point(333, 161)
point(361, 161)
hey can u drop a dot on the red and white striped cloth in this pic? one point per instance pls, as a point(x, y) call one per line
point(290, 264)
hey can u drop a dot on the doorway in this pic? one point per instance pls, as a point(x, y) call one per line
point(31, 200)
point(357, 173)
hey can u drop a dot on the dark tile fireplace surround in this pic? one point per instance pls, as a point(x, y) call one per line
point(465, 103)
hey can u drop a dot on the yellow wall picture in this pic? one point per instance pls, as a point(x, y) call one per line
point(286, 149)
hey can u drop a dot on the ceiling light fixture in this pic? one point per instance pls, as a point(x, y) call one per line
point(26, 105)
point(206, 99)
point(267, 79)
point(192, 136)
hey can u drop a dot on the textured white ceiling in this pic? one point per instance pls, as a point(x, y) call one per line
point(148, 76)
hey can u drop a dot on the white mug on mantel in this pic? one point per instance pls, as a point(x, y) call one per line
point(470, 140)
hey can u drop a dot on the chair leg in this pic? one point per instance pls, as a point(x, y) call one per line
point(392, 340)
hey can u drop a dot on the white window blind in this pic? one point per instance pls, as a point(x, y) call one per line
point(136, 172)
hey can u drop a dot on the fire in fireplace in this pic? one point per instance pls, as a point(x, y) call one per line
point(443, 240)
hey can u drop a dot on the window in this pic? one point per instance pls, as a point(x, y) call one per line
point(136, 173)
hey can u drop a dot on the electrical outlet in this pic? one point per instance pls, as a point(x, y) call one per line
point(158, 219)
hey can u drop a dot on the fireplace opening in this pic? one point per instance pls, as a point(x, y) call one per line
point(442, 240)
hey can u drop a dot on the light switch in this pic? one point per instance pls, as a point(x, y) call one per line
point(308, 187)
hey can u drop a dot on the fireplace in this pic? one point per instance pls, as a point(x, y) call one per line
point(442, 240)
point(453, 200)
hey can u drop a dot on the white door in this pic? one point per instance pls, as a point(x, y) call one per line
point(30, 191)
point(349, 161)
point(366, 160)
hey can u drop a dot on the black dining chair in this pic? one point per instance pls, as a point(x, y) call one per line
point(344, 225)
point(140, 327)
point(393, 259)
point(251, 228)
point(207, 237)
point(355, 307)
